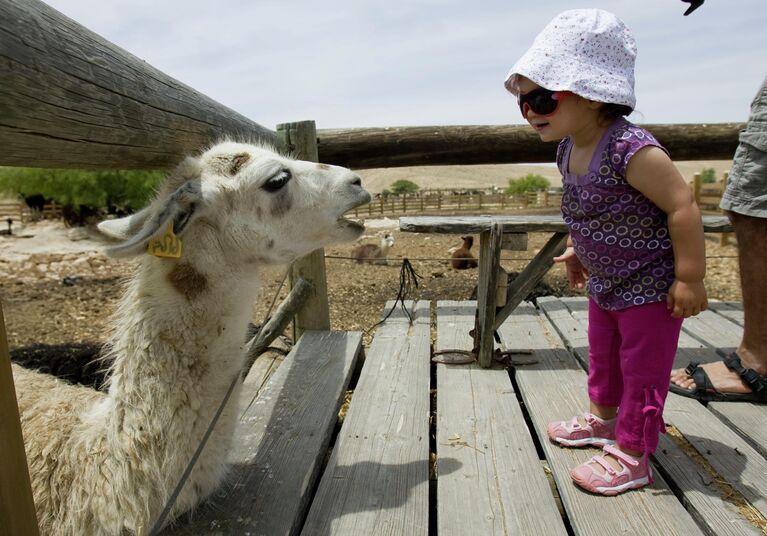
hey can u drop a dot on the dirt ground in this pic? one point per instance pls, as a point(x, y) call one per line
point(58, 290)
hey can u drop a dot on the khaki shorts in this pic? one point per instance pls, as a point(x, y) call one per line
point(746, 191)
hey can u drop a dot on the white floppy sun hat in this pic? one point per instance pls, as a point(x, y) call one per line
point(589, 52)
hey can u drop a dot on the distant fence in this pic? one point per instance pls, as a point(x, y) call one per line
point(708, 195)
point(21, 212)
point(439, 201)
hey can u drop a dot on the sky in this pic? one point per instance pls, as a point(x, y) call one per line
point(360, 63)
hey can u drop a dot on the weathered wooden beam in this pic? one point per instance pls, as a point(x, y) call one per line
point(515, 224)
point(71, 99)
point(489, 262)
point(361, 148)
point(17, 508)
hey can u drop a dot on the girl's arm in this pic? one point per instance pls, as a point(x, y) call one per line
point(653, 173)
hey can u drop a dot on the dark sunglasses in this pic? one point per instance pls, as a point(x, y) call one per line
point(541, 101)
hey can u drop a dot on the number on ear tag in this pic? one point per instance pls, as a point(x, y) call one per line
point(168, 245)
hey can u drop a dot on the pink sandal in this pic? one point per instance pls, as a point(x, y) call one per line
point(635, 473)
point(597, 432)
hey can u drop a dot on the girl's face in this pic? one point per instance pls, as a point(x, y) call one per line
point(571, 113)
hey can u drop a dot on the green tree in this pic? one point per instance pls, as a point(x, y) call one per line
point(708, 175)
point(531, 182)
point(404, 186)
point(74, 189)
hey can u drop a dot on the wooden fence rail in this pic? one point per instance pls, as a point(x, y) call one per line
point(97, 106)
point(71, 99)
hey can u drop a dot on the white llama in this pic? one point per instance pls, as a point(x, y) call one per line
point(105, 463)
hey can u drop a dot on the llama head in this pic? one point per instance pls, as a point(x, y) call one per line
point(251, 202)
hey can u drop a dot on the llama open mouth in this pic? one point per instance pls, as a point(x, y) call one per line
point(346, 222)
point(351, 224)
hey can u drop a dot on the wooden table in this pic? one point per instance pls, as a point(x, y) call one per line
point(491, 230)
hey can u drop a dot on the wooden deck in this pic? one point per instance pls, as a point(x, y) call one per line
point(461, 450)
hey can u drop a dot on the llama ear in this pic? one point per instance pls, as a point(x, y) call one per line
point(136, 230)
point(122, 228)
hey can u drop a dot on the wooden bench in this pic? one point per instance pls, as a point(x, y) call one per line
point(492, 230)
point(281, 440)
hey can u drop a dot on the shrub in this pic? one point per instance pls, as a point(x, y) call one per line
point(529, 183)
point(708, 176)
point(404, 186)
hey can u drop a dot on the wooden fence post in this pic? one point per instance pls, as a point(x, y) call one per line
point(17, 508)
point(696, 183)
point(300, 140)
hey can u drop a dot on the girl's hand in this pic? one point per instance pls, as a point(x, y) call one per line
point(686, 299)
point(576, 273)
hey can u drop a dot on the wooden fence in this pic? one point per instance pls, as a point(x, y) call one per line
point(98, 107)
point(457, 202)
point(20, 212)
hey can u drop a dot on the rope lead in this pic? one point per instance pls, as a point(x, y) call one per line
point(408, 283)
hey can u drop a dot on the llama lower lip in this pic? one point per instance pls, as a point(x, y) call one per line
point(344, 222)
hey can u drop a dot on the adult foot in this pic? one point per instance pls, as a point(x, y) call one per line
point(726, 380)
point(722, 378)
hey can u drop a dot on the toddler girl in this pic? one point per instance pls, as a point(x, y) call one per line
point(636, 238)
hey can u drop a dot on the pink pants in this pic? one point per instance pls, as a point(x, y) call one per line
point(631, 353)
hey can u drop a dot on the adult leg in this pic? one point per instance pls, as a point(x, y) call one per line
point(751, 233)
point(745, 201)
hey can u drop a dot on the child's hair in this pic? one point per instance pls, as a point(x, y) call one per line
point(609, 112)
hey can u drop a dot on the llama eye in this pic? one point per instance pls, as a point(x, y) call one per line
point(277, 181)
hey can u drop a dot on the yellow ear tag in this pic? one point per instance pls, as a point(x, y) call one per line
point(168, 245)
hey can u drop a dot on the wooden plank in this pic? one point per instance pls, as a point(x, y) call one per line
point(490, 480)
point(514, 241)
point(514, 224)
point(71, 99)
point(17, 508)
point(377, 479)
point(281, 442)
point(555, 388)
point(300, 140)
point(489, 263)
point(747, 419)
point(497, 144)
point(732, 311)
point(703, 500)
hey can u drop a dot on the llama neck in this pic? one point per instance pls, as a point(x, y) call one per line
point(178, 327)
point(176, 352)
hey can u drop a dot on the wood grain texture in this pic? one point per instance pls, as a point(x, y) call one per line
point(497, 144)
point(17, 508)
point(281, 442)
point(71, 99)
point(377, 478)
point(489, 264)
point(490, 481)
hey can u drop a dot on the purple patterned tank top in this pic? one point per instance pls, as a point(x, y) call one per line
point(619, 235)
